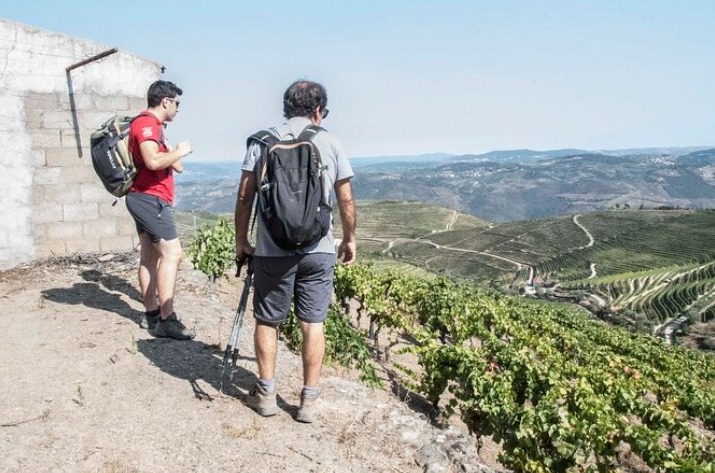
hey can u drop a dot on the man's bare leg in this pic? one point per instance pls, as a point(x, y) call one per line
point(167, 269)
point(265, 339)
point(313, 351)
point(148, 258)
point(262, 397)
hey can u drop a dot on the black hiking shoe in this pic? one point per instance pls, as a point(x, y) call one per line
point(149, 319)
point(172, 327)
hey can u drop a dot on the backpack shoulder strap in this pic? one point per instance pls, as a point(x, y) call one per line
point(145, 113)
point(309, 133)
point(263, 136)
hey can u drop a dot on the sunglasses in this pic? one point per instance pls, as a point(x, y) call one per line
point(175, 100)
point(325, 113)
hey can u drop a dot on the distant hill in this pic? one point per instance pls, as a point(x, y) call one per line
point(673, 151)
point(208, 187)
point(519, 155)
point(210, 171)
point(503, 186)
point(519, 187)
point(421, 160)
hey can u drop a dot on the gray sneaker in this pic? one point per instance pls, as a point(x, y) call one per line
point(149, 319)
point(308, 411)
point(262, 402)
point(173, 328)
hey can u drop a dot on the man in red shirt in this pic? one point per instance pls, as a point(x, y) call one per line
point(149, 202)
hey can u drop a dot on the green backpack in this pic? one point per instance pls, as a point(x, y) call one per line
point(111, 158)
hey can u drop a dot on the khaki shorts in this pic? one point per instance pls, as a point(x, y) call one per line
point(306, 279)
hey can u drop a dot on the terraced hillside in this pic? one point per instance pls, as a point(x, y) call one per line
point(659, 296)
point(496, 254)
point(642, 268)
point(635, 240)
point(384, 224)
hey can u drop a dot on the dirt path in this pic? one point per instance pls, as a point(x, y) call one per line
point(86, 390)
point(452, 220)
point(591, 241)
point(593, 274)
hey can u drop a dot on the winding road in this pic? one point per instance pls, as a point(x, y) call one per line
point(453, 219)
point(448, 227)
point(590, 243)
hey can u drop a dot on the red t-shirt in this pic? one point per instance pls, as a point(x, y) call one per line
point(160, 182)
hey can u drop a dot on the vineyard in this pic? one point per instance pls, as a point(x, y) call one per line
point(386, 220)
point(650, 267)
point(661, 295)
point(628, 241)
point(638, 262)
point(560, 391)
point(558, 248)
point(623, 257)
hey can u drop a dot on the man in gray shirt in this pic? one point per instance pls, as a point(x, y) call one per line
point(304, 275)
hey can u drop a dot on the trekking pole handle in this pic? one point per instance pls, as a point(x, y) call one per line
point(242, 259)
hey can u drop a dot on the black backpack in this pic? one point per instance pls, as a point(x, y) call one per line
point(111, 158)
point(290, 189)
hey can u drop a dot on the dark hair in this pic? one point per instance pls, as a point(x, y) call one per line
point(302, 98)
point(160, 90)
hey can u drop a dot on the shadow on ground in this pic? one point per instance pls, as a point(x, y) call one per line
point(194, 360)
point(113, 283)
point(101, 291)
point(91, 295)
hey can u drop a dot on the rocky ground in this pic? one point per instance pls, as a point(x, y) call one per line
point(85, 389)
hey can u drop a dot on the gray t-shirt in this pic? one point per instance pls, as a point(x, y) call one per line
point(337, 167)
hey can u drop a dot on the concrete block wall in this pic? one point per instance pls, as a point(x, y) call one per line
point(52, 202)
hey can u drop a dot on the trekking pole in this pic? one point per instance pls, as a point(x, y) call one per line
point(232, 346)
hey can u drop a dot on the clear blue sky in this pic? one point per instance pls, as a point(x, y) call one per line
point(413, 77)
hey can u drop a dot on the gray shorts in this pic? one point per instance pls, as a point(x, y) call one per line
point(279, 280)
point(152, 215)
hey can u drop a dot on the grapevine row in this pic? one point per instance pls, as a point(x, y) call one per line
point(562, 392)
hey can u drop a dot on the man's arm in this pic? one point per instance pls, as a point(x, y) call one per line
point(242, 215)
point(155, 160)
point(178, 166)
point(348, 217)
